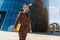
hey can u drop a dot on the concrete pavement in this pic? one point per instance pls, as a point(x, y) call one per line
point(31, 36)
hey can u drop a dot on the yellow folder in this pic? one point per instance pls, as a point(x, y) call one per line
point(18, 27)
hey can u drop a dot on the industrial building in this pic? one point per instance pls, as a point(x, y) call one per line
point(38, 13)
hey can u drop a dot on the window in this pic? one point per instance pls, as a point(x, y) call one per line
point(2, 16)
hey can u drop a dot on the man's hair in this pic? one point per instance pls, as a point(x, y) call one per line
point(25, 5)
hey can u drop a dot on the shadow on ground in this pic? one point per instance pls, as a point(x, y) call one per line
point(45, 33)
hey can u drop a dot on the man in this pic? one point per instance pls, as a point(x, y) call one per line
point(24, 20)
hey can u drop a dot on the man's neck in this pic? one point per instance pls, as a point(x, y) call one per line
point(25, 11)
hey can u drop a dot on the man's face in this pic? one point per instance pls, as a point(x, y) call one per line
point(26, 9)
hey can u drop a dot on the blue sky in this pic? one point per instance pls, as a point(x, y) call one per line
point(54, 15)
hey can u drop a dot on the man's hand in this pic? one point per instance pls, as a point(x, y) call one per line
point(14, 29)
point(30, 31)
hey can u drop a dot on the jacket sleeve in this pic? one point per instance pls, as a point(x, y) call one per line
point(30, 25)
point(17, 20)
